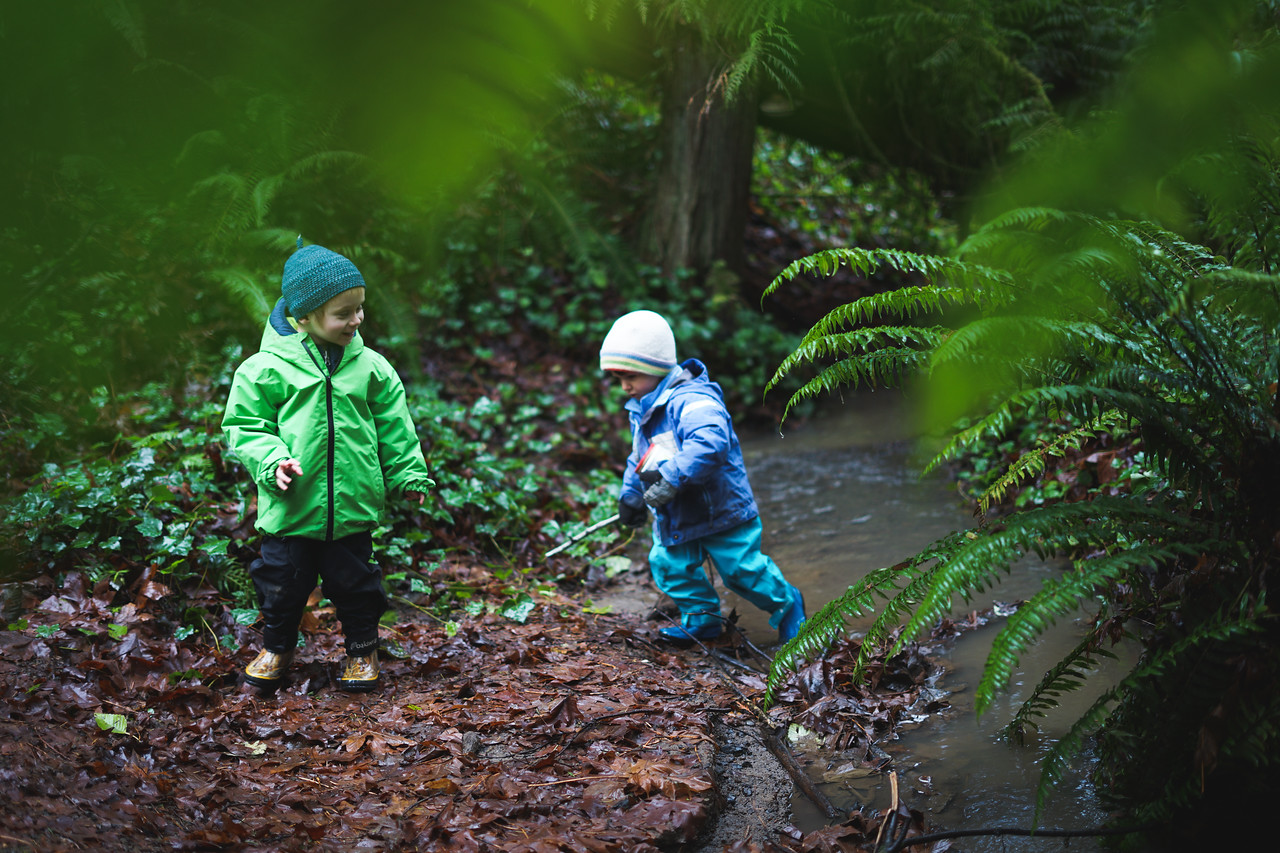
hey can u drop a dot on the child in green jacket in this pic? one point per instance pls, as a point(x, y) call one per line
point(321, 422)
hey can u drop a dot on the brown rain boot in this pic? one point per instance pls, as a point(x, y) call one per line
point(267, 668)
point(359, 674)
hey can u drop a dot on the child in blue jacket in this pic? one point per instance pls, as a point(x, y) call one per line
point(686, 465)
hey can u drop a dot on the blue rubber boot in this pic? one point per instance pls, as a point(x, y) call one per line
point(684, 634)
point(793, 619)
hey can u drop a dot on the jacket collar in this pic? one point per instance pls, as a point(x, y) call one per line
point(682, 374)
point(282, 339)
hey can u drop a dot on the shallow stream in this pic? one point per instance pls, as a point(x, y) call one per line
point(840, 497)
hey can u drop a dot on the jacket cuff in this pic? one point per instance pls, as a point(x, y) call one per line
point(425, 484)
point(267, 475)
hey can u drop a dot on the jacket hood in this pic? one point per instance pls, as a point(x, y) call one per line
point(280, 338)
point(690, 376)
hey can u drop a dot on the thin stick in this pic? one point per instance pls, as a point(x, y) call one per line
point(573, 540)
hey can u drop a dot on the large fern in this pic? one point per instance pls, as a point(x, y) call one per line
point(1116, 328)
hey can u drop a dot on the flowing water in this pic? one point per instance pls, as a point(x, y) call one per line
point(840, 497)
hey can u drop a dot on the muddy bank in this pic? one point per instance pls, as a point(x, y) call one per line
point(753, 789)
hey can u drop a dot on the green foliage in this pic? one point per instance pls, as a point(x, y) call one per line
point(152, 500)
point(948, 89)
point(1111, 328)
point(841, 201)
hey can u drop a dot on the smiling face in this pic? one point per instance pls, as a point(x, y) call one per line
point(336, 321)
point(635, 385)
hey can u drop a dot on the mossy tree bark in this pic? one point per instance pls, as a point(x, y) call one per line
point(698, 212)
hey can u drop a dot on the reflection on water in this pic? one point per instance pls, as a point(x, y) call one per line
point(839, 498)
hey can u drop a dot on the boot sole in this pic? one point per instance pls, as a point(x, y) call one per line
point(687, 642)
point(356, 686)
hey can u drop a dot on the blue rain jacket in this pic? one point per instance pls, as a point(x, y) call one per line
point(686, 418)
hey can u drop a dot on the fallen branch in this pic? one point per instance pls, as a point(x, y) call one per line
point(776, 746)
point(1016, 831)
point(785, 757)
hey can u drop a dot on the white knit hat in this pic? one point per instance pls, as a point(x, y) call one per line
point(639, 342)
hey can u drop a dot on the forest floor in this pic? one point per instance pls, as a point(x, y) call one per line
point(575, 729)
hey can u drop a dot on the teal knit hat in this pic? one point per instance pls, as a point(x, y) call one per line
point(313, 276)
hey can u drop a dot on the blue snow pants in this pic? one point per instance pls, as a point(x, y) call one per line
point(735, 554)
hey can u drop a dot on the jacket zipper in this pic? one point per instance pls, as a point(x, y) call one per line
point(323, 364)
point(328, 394)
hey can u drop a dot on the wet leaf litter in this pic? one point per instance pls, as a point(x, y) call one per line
point(572, 731)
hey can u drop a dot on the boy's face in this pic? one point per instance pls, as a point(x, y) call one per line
point(635, 385)
point(336, 321)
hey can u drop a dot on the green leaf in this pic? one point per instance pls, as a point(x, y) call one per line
point(244, 615)
point(117, 724)
point(161, 493)
point(517, 608)
point(117, 632)
point(616, 565)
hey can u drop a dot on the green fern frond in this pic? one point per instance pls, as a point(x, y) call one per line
point(896, 585)
point(1043, 531)
point(1032, 462)
point(1060, 597)
point(813, 349)
point(264, 193)
point(865, 261)
point(1199, 658)
point(1000, 338)
point(241, 285)
point(1054, 764)
point(770, 48)
point(126, 19)
point(1018, 219)
point(1082, 401)
point(904, 303)
point(214, 140)
point(1068, 674)
point(324, 163)
point(819, 633)
point(883, 368)
point(895, 611)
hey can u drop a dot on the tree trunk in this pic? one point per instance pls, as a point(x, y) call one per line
point(699, 210)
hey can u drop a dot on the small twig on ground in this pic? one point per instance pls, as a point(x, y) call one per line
point(732, 661)
point(589, 723)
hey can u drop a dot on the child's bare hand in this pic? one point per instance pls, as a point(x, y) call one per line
point(416, 497)
point(285, 472)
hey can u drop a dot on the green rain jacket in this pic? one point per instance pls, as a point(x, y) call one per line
point(349, 429)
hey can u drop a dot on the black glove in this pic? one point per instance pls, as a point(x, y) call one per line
point(631, 510)
point(660, 493)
